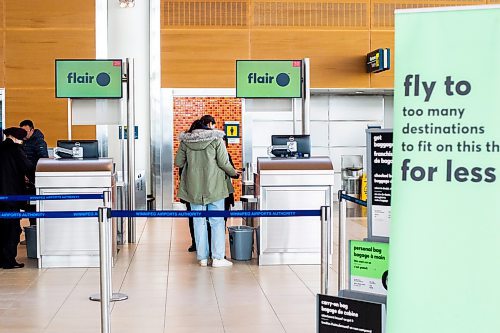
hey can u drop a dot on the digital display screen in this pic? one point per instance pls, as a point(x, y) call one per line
point(88, 78)
point(269, 78)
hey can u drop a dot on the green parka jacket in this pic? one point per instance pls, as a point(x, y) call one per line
point(203, 158)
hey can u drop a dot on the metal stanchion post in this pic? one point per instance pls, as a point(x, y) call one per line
point(342, 242)
point(115, 297)
point(109, 249)
point(104, 267)
point(131, 147)
point(325, 249)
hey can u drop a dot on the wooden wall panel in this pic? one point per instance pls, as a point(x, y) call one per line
point(337, 57)
point(30, 54)
point(383, 10)
point(334, 34)
point(383, 39)
point(202, 58)
point(83, 132)
point(33, 34)
point(322, 14)
point(2, 16)
point(2, 59)
point(2, 44)
point(38, 104)
point(67, 14)
point(204, 14)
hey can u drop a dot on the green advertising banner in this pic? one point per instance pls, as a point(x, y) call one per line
point(445, 229)
point(369, 264)
point(269, 78)
point(88, 78)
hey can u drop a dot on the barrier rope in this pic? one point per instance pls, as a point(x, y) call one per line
point(51, 197)
point(353, 199)
point(214, 213)
point(137, 213)
point(162, 213)
point(50, 215)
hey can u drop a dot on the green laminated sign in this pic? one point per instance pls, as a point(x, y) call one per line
point(445, 228)
point(88, 78)
point(369, 264)
point(269, 78)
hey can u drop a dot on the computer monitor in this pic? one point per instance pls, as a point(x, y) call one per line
point(291, 146)
point(90, 147)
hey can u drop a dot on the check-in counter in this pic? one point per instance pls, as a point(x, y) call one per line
point(72, 242)
point(292, 184)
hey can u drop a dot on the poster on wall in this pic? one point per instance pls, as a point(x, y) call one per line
point(369, 266)
point(379, 152)
point(445, 231)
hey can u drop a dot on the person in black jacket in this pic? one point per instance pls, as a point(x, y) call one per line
point(13, 171)
point(35, 148)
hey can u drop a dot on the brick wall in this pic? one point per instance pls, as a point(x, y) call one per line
point(188, 109)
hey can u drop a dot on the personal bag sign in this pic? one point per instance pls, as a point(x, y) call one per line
point(344, 315)
point(369, 263)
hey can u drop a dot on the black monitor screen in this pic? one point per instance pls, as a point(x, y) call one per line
point(90, 147)
point(296, 145)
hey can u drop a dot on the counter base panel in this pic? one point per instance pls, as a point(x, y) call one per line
point(291, 240)
point(68, 261)
point(289, 259)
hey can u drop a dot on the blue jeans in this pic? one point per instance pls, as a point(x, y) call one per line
point(218, 232)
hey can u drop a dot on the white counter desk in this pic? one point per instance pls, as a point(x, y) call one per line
point(72, 242)
point(292, 184)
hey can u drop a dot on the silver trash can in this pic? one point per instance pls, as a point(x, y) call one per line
point(241, 242)
point(351, 183)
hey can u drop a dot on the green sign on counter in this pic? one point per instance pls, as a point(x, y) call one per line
point(88, 78)
point(369, 263)
point(269, 78)
point(445, 225)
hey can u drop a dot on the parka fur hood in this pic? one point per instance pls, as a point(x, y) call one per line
point(199, 139)
point(199, 135)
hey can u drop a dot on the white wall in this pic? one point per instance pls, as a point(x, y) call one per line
point(128, 37)
point(337, 127)
point(263, 118)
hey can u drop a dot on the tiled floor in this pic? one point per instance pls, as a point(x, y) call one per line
point(168, 291)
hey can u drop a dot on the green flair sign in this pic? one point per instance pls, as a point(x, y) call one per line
point(369, 264)
point(269, 78)
point(88, 78)
point(445, 228)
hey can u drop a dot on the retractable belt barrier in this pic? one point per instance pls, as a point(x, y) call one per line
point(51, 197)
point(105, 213)
point(353, 199)
point(162, 213)
point(214, 213)
point(48, 215)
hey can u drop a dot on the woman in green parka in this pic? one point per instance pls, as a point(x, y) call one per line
point(203, 158)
